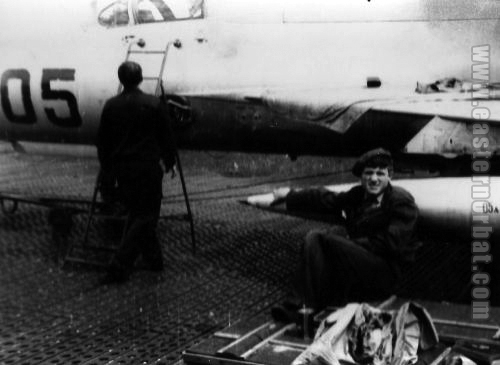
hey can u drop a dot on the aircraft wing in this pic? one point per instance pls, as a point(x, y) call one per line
point(351, 121)
point(402, 120)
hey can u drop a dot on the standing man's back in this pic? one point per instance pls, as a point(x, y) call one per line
point(134, 129)
point(133, 139)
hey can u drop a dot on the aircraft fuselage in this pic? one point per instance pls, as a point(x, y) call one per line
point(232, 64)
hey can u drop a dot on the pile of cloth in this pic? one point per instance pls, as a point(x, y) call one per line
point(362, 334)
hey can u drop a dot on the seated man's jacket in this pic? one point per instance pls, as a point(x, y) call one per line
point(387, 230)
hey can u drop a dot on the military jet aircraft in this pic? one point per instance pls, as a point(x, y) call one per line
point(297, 77)
point(417, 77)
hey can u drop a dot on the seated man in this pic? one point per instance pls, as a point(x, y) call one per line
point(361, 261)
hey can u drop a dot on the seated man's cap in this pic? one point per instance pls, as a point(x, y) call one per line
point(374, 158)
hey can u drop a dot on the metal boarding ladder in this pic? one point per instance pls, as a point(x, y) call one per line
point(164, 53)
point(95, 254)
point(159, 91)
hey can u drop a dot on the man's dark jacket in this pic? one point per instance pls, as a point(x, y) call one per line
point(134, 129)
point(388, 230)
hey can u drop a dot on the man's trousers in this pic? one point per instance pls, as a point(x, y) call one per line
point(335, 270)
point(140, 186)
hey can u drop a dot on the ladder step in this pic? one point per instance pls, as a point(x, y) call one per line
point(146, 52)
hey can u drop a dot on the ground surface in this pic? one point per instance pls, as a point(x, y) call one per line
point(55, 314)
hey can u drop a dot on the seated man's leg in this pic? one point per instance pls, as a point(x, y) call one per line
point(336, 270)
point(314, 267)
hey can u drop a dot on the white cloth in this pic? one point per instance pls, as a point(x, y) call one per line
point(362, 330)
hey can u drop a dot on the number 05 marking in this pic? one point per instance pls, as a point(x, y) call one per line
point(29, 116)
point(64, 74)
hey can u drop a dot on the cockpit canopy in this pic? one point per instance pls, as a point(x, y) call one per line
point(128, 12)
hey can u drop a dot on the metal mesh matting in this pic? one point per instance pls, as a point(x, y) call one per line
point(55, 314)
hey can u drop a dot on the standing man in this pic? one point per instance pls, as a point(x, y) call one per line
point(135, 144)
point(360, 261)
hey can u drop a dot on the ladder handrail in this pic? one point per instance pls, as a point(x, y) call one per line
point(159, 85)
point(176, 43)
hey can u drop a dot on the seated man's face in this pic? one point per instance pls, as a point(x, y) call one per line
point(375, 179)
